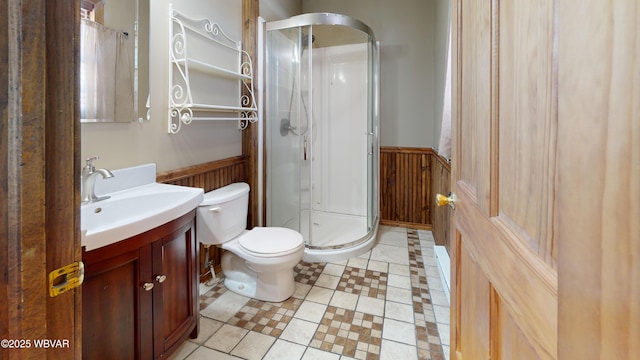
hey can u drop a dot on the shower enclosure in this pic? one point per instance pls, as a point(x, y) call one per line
point(321, 133)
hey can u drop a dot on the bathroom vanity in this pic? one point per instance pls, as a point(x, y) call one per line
point(139, 248)
point(140, 295)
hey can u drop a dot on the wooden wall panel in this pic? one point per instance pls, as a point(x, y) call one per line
point(250, 10)
point(405, 187)
point(208, 176)
point(39, 219)
point(440, 215)
point(408, 187)
point(387, 185)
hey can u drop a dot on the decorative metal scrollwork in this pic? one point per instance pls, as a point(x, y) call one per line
point(179, 116)
point(181, 102)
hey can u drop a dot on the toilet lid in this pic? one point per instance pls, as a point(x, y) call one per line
point(270, 241)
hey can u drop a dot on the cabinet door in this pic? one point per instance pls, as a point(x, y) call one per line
point(175, 297)
point(112, 293)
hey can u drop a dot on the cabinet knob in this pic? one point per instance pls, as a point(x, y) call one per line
point(147, 286)
point(161, 278)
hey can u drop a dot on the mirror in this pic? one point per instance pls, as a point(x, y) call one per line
point(114, 58)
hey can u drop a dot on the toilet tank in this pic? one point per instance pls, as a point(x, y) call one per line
point(222, 215)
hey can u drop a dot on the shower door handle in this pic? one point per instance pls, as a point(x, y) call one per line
point(304, 144)
point(370, 134)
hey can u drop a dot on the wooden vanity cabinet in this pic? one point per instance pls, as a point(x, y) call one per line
point(140, 295)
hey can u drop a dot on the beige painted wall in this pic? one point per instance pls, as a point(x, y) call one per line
point(413, 36)
point(121, 145)
point(443, 18)
point(413, 41)
point(272, 10)
point(406, 30)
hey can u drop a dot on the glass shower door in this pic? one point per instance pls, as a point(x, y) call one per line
point(287, 137)
point(321, 132)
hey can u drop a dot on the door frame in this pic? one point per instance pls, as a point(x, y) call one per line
point(39, 139)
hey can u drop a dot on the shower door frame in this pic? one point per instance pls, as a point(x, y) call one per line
point(304, 25)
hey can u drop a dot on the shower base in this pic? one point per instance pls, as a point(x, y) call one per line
point(337, 237)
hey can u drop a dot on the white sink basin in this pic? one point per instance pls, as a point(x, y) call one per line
point(133, 211)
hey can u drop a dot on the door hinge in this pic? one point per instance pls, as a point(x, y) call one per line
point(66, 278)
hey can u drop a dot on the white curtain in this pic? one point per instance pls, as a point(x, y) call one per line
point(444, 148)
point(106, 88)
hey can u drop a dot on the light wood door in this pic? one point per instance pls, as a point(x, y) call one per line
point(546, 170)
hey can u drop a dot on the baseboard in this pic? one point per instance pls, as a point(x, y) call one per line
point(405, 224)
point(444, 267)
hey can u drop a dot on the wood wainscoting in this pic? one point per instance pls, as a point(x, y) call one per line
point(405, 184)
point(409, 180)
point(440, 184)
point(208, 176)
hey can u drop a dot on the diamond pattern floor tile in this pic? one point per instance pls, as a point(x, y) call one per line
point(344, 331)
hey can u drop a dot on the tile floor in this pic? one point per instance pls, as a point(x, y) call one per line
point(386, 304)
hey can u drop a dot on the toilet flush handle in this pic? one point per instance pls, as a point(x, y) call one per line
point(215, 209)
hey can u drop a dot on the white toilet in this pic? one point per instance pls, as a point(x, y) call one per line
point(258, 263)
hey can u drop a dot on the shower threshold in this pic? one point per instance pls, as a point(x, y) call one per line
point(334, 229)
point(336, 237)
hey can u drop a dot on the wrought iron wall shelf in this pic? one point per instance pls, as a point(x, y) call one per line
point(218, 60)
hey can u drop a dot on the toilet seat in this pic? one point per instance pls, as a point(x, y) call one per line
point(270, 241)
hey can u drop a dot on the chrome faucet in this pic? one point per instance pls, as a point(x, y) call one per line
point(89, 177)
